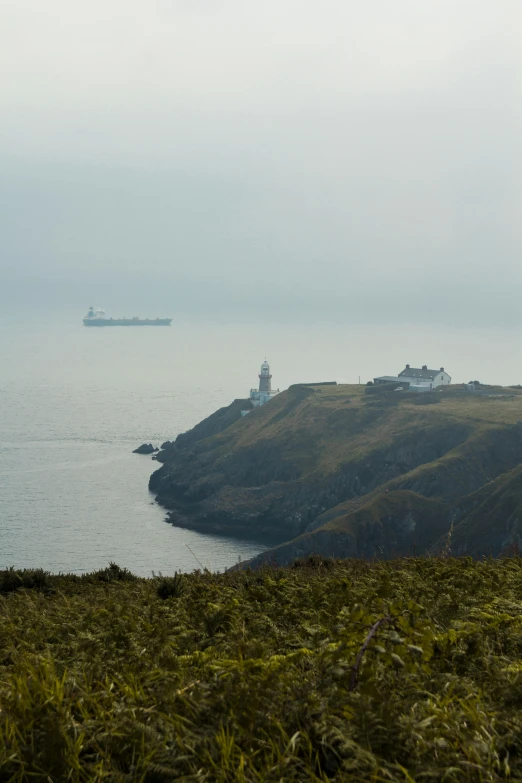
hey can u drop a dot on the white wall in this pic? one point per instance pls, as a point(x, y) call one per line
point(441, 379)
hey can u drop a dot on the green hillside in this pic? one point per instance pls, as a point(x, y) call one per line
point(407, 670)
point(337, 470)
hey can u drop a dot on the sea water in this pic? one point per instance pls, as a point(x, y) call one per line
point(75, 402)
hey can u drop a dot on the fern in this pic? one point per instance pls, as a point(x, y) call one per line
point(250, 676)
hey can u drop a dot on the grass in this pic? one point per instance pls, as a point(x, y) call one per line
point(327, 416)
point(405, 670)
point(334, 458)
point(315, 434)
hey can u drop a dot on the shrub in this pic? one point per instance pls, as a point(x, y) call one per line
point(427, 398)
point(31, 579)
point(314, 561)
point(170, 586)
point(112, 574)
point(382, 388)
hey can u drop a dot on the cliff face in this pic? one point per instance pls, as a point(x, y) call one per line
point(335, 471)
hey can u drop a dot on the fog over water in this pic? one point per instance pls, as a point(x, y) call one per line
point(335, 185)
point(272, 158)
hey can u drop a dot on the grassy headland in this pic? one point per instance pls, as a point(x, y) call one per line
point(407, 670)
point(335, 470)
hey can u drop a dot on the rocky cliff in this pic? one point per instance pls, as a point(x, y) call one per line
point(332, 470)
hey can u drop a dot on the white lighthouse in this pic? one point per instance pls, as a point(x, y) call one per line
point(265, 392)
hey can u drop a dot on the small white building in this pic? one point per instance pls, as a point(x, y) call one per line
point(419, 379)
point(265, 392)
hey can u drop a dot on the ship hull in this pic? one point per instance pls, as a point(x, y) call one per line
point(127, 322)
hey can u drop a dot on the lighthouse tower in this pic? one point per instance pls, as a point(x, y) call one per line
point(265, 392)
point(265, 379)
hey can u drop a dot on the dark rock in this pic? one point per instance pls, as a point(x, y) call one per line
point(145, 448)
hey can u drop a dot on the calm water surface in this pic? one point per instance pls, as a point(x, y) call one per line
point(73, 405)
point(74, 402)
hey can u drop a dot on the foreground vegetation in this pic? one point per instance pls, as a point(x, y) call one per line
point(405, 670)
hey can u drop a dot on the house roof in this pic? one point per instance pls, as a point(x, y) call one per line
point(416, 372)
point(394, 378)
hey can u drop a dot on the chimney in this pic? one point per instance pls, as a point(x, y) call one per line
point(442, 369)
point(424, 366)
point(407, 366)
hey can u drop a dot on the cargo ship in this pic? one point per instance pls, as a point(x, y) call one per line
point(97, 317)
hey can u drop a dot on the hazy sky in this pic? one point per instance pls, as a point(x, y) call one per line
point(336, 153)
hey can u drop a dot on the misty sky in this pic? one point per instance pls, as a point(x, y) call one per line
point(330, 153)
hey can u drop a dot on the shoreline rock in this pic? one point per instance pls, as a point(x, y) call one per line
point(145, 448)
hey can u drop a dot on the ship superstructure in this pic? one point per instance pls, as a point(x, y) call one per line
point(96, 317)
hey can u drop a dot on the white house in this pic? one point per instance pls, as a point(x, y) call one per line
point(419, 379)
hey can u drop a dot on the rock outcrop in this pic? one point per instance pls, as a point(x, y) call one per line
point(145, 448)
point(330, 470)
